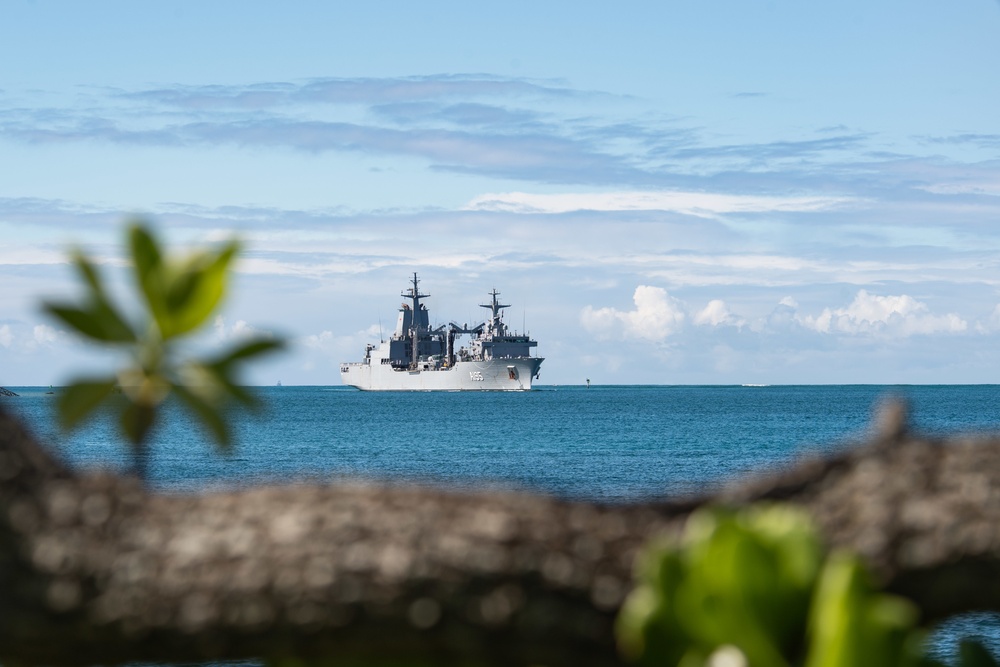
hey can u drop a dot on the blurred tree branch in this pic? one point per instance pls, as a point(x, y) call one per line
point(95, 569)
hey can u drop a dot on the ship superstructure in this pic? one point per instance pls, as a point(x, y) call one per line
point(419, 357)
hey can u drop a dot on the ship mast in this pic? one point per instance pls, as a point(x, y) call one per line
point(495, 306)
point(415, 296)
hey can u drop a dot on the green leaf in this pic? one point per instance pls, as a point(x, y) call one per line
point(223, 369)
point(82, 321)
point(971, 653)
point(80, 399)
point(647, 629)
point(726, 597)
point(100, 324)
point(137, 421)
point(247, 350)
point(88, 271)
point(198, 289)
point(837, 618)
point(240, 394)
point(149, 273)
point(215, 385)
point(179, 295)
point(116, 327)
point(208, 414)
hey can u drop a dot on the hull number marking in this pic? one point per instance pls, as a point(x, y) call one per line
point(476, 375)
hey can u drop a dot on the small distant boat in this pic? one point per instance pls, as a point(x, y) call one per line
point(279, 383)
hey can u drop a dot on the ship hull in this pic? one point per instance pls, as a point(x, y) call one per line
point(514, 374)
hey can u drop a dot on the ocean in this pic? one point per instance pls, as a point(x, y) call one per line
point(603, 443)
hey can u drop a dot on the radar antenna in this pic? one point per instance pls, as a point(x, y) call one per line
point(494, 305)
point(414, 294)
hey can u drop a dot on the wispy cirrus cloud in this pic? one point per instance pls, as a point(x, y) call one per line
point(690, 203)
point(461, 124)
point(774, 150)
point(466, 114)
point(539, 157)
point(363, 91)
point(489, 126)
point(986, 141)
point(681, 239)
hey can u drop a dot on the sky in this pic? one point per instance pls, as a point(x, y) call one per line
point(714, 192)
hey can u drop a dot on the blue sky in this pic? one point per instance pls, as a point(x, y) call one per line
point(680, 192)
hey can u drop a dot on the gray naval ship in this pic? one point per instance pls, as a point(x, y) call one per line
point(420, 358)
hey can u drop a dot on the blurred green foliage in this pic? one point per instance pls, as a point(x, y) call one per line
point(177, 296)
point(754, 588)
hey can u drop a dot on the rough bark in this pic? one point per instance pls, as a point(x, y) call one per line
point(94, 569)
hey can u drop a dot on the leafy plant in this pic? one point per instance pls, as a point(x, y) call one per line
point(851, 624)
point(753, 587)
point(178, 295)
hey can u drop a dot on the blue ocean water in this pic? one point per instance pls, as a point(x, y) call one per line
point(607, 443)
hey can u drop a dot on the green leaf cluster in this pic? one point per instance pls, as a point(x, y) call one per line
point(852, 625)
point(177, 296)
point(754, 587)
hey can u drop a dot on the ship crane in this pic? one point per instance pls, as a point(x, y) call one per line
point(453, 331)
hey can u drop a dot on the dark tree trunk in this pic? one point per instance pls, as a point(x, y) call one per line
point(94, 569)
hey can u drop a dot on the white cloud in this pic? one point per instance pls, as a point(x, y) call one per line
point(691, 203)
point(899, 315)
point(43, 335)
point(789, 301)
point(27, 255)
point(6, 337)
point(657, 315)
point(327, 341)
point(320, 341)
point(992, 323)
point(716, 313)
point(238, 331)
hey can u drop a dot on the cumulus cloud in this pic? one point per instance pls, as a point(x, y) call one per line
point(321, 341)
point(238, 331)
point(899, 315)
point(991, 324)
point(716, 313)
point(656, 316)
point(327, 341)
point(327, 349)
point(44, 335)
point(789, 301)
point(24, 338)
